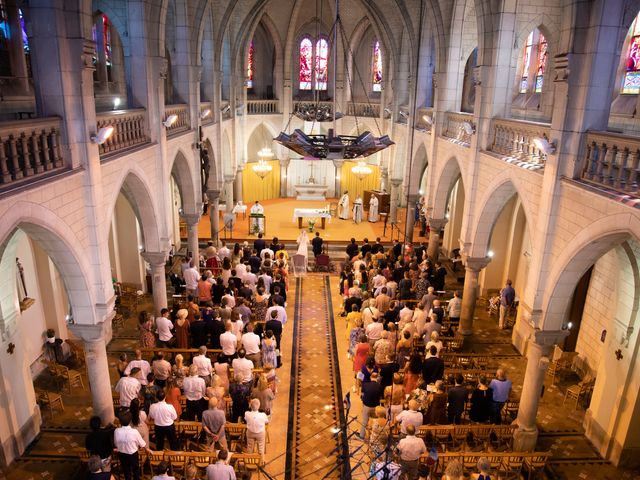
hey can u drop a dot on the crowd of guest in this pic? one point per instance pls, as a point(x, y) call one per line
point(396, 320)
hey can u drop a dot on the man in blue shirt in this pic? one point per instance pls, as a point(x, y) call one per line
point(501, 390)
point(507, 297)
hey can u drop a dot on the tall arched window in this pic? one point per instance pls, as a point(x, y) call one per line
point(534, 63)
point(102, 37)
point(377, 67)
point(314, 64)
point(631, 83)
point(250, 67)
point(14, 43)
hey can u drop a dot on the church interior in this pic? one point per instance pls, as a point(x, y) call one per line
point(405, 231)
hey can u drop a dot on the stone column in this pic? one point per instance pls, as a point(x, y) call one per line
point(157, 261)
point(540, 345)
point(192, 234)
point(338, 184)
point(284, 165)
point(95, 339)
point(237, 184)
point(384, 178)
point(470, 292)
point(228, 192)
point(395, 200)
point(410, 220)
point(214, 215)
point(435, 227)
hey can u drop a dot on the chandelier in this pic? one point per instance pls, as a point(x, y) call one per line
point(262, 168)
point(361, 170)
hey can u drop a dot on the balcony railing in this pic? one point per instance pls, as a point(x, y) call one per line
point(29, 148)
point(611, 161)
point(129, 130)
point(459, 127)
point(300, 106)
point(262, 107)
point(363, 109)
point(182, 123)
point(204, 106)
point(514, 140)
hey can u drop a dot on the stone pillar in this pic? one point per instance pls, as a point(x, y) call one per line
point(237, 184)
point(410, 220)
point(384, 178)
point(470, 292)
point(95, 339)
point(284, 165)
point(192, 234)
point(214, 215)
point(338, 184)
point(395, 200)
point(435, 227)
point(228, 192)
point(157, 261)
point(540, 345)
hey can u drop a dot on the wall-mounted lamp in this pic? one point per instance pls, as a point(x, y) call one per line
point(468, 128)
point(490, 254)
point(403, 114)
point(428, 119)
point(103, 135)
point(171, 119)
point(116, 103)
point(226, 109)
point(205, 114)
point(543, 144)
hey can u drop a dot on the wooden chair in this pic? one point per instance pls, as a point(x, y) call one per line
point(460, 434)
point(553, 370)
point(200, 459)
point(236, 435)
point(482, 434)
point(504, 434)
point(189, 433)
point(512, 465)
point(50, 400)
point(323, 262)
point(574, 392)
point(246, 462)
point(83, 454)
point(535, 462)
point(177, 461)
point(154, 457)
point(118, 321)
point(116, 400)
point(510, 411)
point(72, 377)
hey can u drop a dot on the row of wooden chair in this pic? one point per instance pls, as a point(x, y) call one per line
point(452, 436)
point(507, 465)
point(72, 378)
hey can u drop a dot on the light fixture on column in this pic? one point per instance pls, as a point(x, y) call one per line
point(103, 135)
point(428, 119)
point(170, 120)
point(543, 144)
point(468, 128)
point(225, 109)
point(205, 113)
point(403, 114)
point(490, 254)
point(116, 103)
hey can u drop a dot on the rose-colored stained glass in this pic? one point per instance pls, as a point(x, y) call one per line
point(377, 67)
point(631, 84)
point(306, 64)
point(250, 66)
point(542, 63)
point(322, 53)
point(526, 61)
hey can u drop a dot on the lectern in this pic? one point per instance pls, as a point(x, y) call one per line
point(257, 224)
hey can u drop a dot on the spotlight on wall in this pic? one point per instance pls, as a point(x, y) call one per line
point(428, 119)
point(171, 119)
point(420, 192)
point(226, 109)
point(205, 114)
point(141, 248)
point(490, 254)
point(468, 128)
point(403, 114)
point(543, 144)
point(103, 135)
point(116, 103)
point(447, 216)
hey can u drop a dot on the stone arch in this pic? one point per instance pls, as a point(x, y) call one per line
point(443, 186)
point(186, 180)
point(64, 249)
point(137, 191)
point(585, 249)
point(499, 192)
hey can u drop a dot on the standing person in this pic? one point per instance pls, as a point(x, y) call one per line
point(128, 387)
point(410, 449)
point(259, 244)
point(257, 224)
point(164, 327)
point(191, 276)
point(163, 415)
point(203, 364)
point(213, 422)
point(373, 209)
point(221, 469)
point(316, 244)
point(100, 442)
point(501, 391)
point(127, 441)
point(251, 343)
point(147, 339)
point(457, 397)
point(303, 247)
point(439, 277)
point(194, 390)
point(481, 409)
point(256, 427)
point(357, 210)
point(183, 329)
point(161, 370)
point(507, 297)
point(371, 393)
point(343, 206)
point(454, 307)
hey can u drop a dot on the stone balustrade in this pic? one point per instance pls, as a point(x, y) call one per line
point(182, 123)
point(363, 109)
point(454, 127)
point(611, 160)
point(130, 130)
point(29, 148)
point(262, 107)
point(515, 139)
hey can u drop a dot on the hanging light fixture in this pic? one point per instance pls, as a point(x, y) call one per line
point(361, 170)
point(262, 169)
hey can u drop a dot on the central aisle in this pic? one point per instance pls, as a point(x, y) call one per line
point(315, 401)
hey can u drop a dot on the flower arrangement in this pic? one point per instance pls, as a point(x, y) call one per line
point(311, 222)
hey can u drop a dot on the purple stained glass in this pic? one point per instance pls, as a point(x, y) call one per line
point(377, 68)
point(250, 66)
point(306, 63)
point(25, 39)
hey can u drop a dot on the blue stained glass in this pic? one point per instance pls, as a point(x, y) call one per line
point(631, 83)
point(539, 80)
point(523, 85)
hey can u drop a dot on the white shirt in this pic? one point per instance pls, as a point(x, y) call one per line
point(409, 417)
point(231, 301)
point(224, 252)
point(267, 282)
point(164, 326)
point(128, 440)
point(143, 365)
point(265, 251)
point(282, 314)
point(256, 421)
point(128, 388)
point(411, 447)
point(454, 307)
point(374, 330)
point(251, 342)
point(228, 342)
point(162, 413)
point(242, 369)
point(250, 279)
point(379, 281)
point(368, 314)
point(191, 277)
point(236, 328)
point(194, 388)
point(204, 365)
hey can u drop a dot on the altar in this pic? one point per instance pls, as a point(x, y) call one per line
point(321, 213)
point(311, 191)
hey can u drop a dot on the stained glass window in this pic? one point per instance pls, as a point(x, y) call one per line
point(25, 39)
point(526, 61)
point(631, 82)
point(306, 64)
point(542, 62)
point(377, 67)
point(322, 53)
point(250, 66)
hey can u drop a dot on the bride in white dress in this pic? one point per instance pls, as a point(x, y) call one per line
point(303, 247)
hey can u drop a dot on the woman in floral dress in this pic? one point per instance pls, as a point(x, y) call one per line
point(269, 356)
point(147, 338)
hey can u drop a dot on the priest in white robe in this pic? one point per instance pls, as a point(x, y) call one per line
point(257, 224)
point(374, 216)
point(357, 210)
point(343, 207)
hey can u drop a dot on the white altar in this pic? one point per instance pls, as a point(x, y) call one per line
point(311, 191)
point(300, 171)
